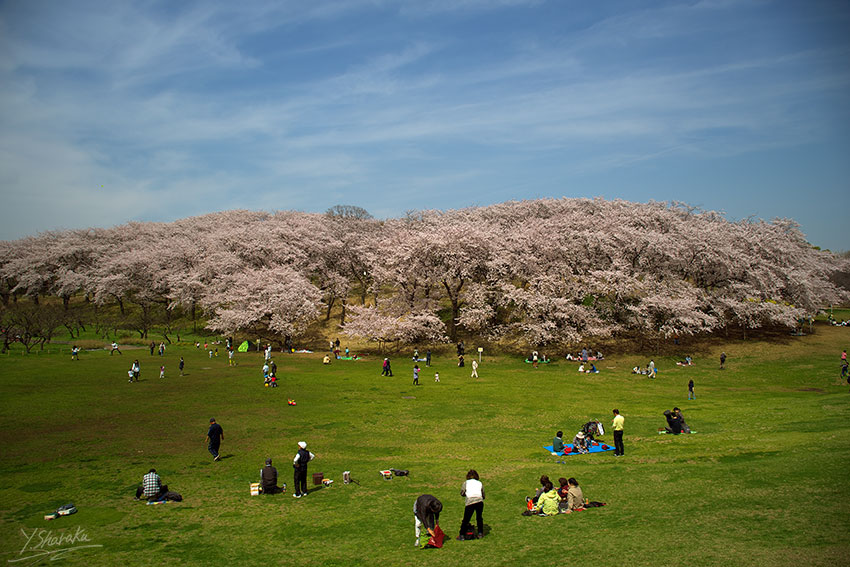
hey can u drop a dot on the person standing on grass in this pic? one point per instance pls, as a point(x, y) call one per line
point(230, 361)
point(691, 394)
point(722, 360)
point(474, 369)
point(215, 435)
point(114, 348)
point(473, 491)
point(617, 426)
point(428, 358)
point(415, 374)
point(299, 463)
point(153, 346)
point(137, 370)
point(181, 366)
point(162, 371)
point(651, 369)
point(75, 353)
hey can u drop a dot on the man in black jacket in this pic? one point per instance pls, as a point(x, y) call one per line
point(268, 477)
point(426, 510)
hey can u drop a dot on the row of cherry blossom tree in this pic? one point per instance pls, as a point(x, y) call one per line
point(545, 272)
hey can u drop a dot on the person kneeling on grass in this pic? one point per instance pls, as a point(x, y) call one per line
point(547, 503)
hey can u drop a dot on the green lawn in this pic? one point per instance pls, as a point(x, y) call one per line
point(763, 482)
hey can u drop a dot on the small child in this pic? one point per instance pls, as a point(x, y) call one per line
point(130, 374)
point(216, 351)
point(211, 353)
point(274, 381)
point(162, 371)
point(436, 376)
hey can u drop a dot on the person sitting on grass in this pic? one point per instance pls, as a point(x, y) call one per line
point(580, 443)
point(543, 480)
point(674, 422)
point(558, 443)
point(572, 498)
point(152, 488)
point(547, 503)
point(268, 478)
point(685, 428)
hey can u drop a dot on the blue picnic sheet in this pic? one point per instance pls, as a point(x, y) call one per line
point(594, 449)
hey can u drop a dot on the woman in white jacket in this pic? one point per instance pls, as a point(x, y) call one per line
point(473, 491)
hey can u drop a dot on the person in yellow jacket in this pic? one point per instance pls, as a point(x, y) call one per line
point(547, 503)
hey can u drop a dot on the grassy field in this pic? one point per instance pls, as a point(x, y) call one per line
point(763, 482)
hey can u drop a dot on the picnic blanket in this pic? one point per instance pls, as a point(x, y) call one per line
point(598, 447)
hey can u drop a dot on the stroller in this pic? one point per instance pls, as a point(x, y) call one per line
point(591, 430)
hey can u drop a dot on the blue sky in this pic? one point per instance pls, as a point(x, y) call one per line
point(119, 111)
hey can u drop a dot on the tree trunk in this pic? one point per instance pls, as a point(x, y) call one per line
point(331, 302)
point(342, 314)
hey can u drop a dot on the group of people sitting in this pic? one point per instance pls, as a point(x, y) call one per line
point(676, 422)
point(536, 358)
point(588, 369)
point(583, 440)
point(549, 501)
point(585, 355)
point(650, 370)
point(687, 362)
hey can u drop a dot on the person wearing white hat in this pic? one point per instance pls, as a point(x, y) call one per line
point(299, 463)
point(580, 443)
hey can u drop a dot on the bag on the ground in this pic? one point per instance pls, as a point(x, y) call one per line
point(173, 496)
point(469, 533)
point(436, 540)
point(400, 472)
point(593, 504)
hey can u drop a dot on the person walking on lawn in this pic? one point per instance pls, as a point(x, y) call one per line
point(215, 435)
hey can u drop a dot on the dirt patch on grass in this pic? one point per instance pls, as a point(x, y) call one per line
point(820, 391)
